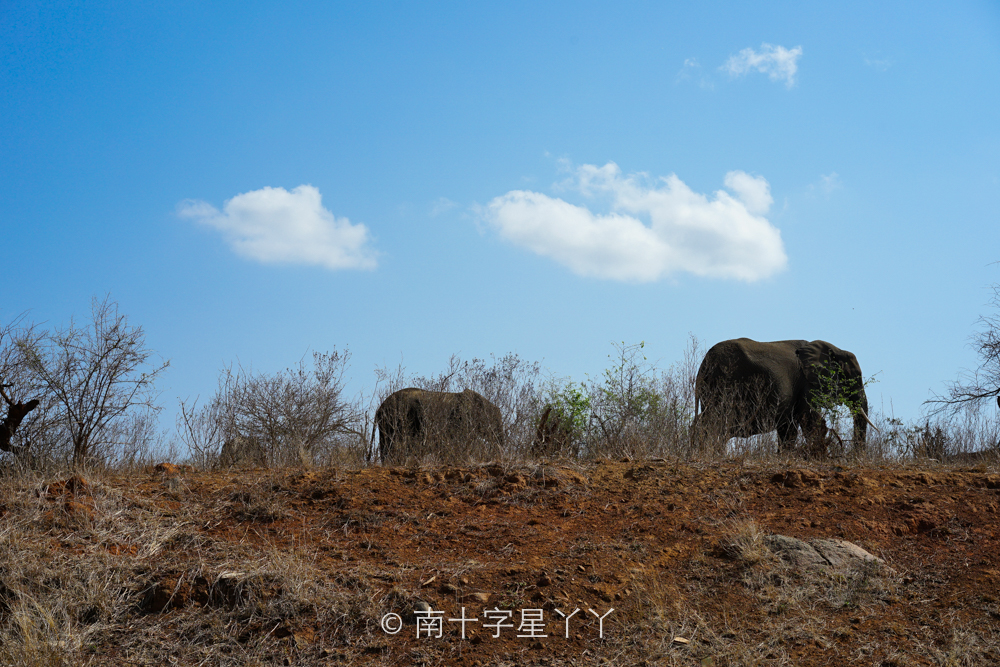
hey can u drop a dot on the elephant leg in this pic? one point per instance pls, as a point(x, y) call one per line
point(700, 436)
point(815, 430)
point(708, 433)
point(384, 445)
point(697, 434)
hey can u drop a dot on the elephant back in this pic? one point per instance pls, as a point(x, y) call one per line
point(745, 372)
point(416, 422)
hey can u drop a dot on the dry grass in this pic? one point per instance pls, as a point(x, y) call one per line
point(264, 566)
point(672, 622)
point(91, 577)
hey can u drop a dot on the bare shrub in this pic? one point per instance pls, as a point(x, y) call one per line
point(984, 382)
point(972, 430)
point(94, 384)
point(295, 417)
point(240, 450)
point(556, 434)
point(624, 401)
point(202, 431)
point(138, 442)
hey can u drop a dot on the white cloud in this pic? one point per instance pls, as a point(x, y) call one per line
point(881, 64)
point(442, 205)
point(777, 62)
point(826, 185)
point(830, 182)
point(753, 191)
point(725, 236)
point(273, 225)
point(691, 69)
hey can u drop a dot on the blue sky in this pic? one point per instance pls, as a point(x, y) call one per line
point(252, 181)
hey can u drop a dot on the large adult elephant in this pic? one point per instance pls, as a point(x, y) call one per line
point(745, 387)
point(417, 421)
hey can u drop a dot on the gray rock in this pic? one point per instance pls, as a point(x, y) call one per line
point(841, 552)
point(794, 551)
point(818, 552)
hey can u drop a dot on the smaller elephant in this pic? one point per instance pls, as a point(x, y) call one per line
point(412, 422)
point(242, 451)
point(745, 387)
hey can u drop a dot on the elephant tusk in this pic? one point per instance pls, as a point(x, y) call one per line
point(869, 420)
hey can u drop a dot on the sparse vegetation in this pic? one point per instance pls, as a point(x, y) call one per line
point(296, 557)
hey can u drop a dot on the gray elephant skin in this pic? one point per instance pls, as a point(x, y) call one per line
point(413, 421)
point(745, 387)
point(241, 450)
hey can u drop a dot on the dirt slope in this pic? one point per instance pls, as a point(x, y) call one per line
point(301, 567)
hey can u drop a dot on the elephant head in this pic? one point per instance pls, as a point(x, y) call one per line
point(833, 377)
point(417, 421)
point(745, 387)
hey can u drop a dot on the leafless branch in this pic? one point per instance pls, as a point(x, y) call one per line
point(984, 381)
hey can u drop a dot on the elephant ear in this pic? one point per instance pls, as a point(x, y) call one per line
point(814, 358)
point(832, 375)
